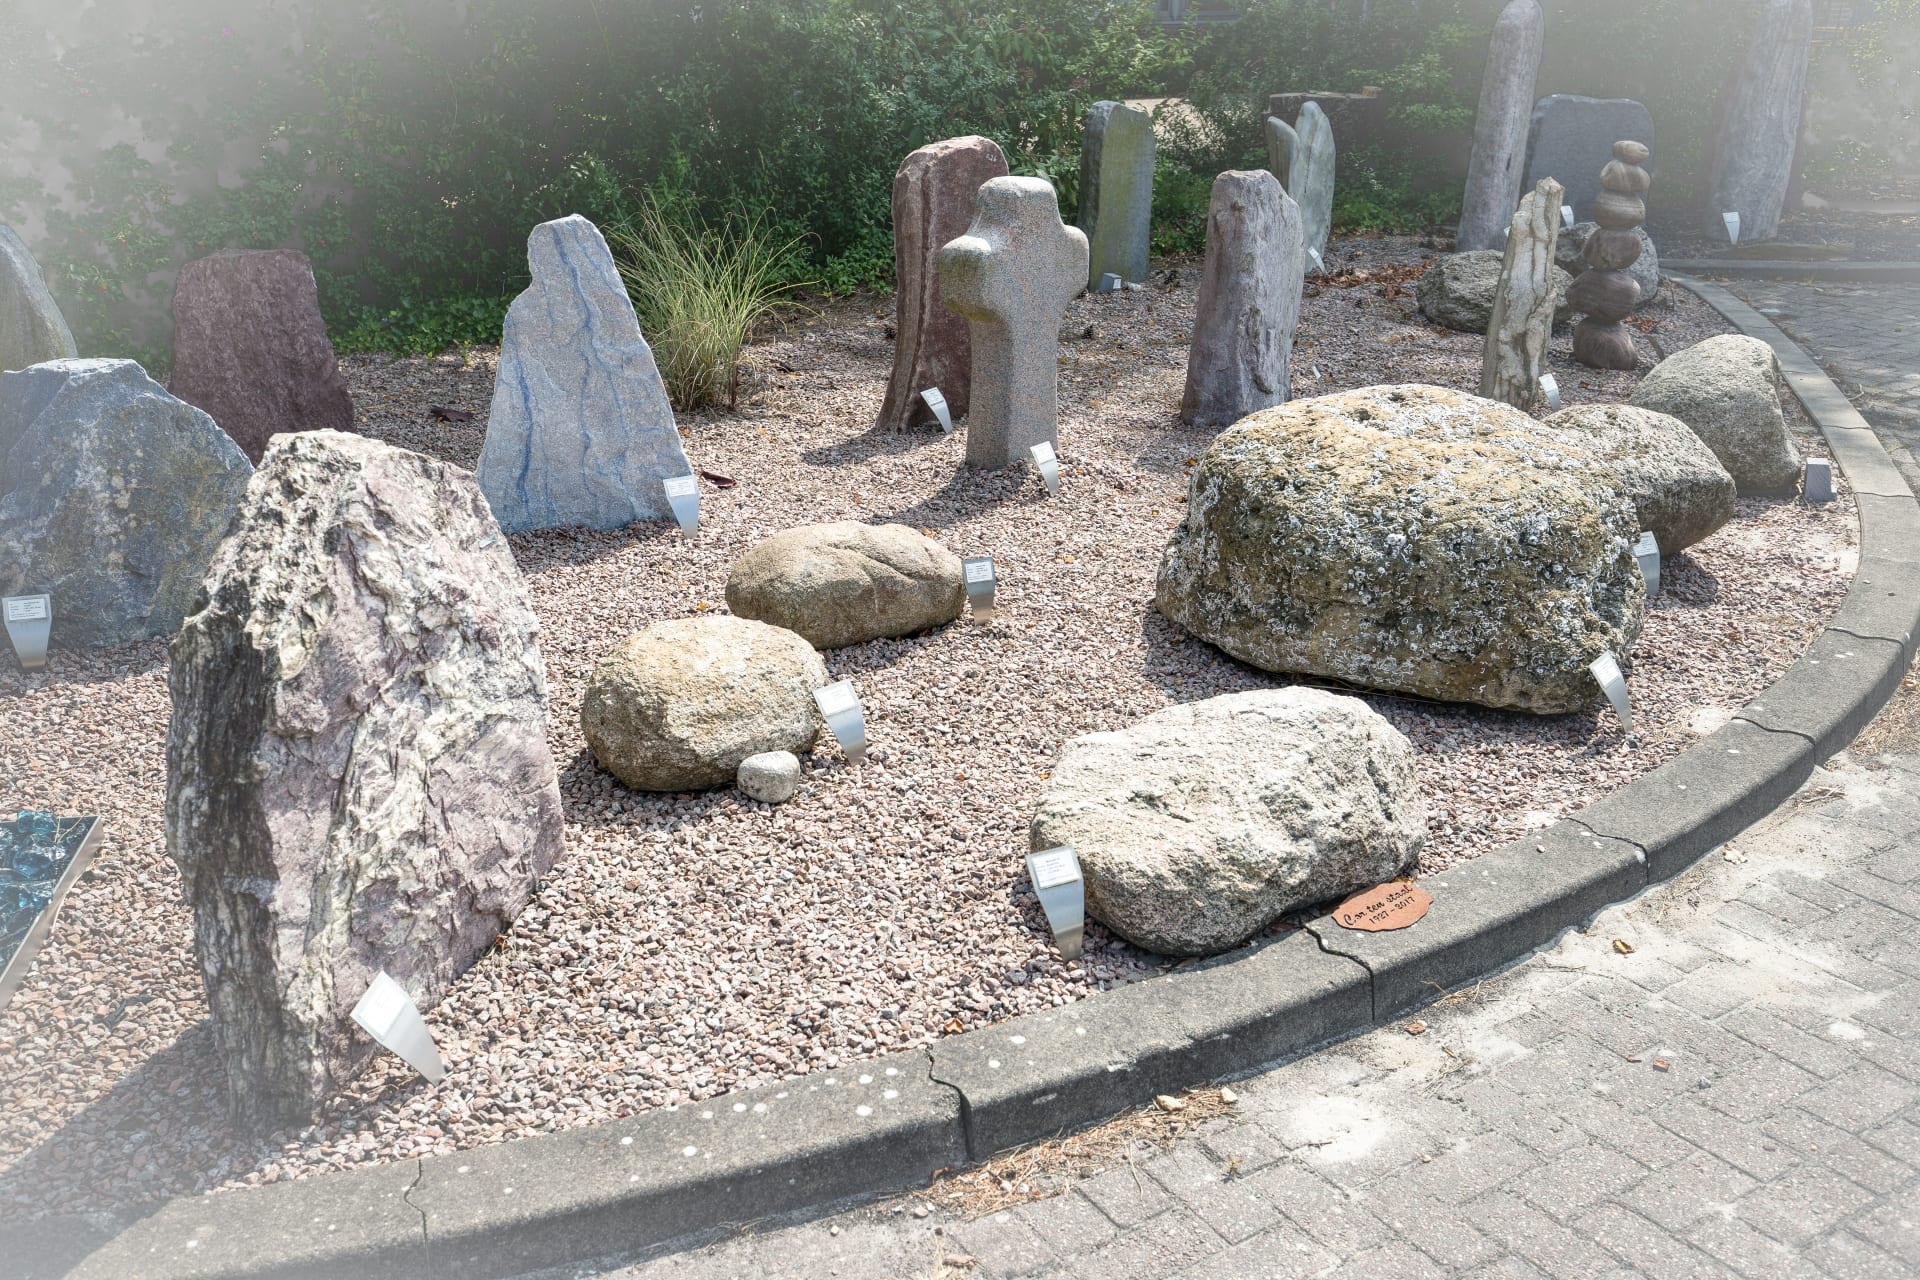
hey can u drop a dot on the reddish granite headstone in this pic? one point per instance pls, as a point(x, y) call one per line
point(933, 196)
point(249, 347)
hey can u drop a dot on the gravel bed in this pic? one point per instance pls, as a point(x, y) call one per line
point(689, 945)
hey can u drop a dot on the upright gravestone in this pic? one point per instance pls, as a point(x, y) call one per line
point(1760, 122)
point(932, 203)
point(358, 775)
point(1311, 177)
point(1605, 291)
point(581, 431)
point(1116, 190)
point(1012, 276)
point(250, 348)
point(31, 326)
point(1249, 301)
point(1522, 321)
point(1571, 137)
point(113, 496)
point(1500, 125)
point(1282, 141)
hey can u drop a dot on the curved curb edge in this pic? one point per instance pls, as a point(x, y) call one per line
point(876, 1127)
point(1831, 270)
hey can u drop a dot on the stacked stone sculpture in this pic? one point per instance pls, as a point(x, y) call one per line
point(1522, 320)
point(932, 203)
point(32, 329)
point(1760, 122)
point(1249, 302)
point(1012, 276)
point(1500, 125)
point(1605, 292)
point(1116, 190)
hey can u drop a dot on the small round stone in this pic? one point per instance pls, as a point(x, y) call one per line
point(770, 777)
point(1631, 152)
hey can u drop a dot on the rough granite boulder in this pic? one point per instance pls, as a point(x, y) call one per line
point(844, 583)
point(1570, 256)
point(250, 348)
point(1727, 389)
point(1241, 355)
point(581, 431)
point(1203, 823)
point(32, 330)
point(1679, 489)
point(1413, 539)
point(358, 777)
point(113, 496)
point(1458, 290)
point(679, 706)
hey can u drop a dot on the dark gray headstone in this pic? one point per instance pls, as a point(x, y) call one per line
point(1571, 139)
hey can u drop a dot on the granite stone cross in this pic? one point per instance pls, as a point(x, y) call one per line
point(1011, 275)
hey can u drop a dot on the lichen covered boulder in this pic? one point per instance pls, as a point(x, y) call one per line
point(1412, 539)
point(1458, 290)
point(1679, 489)
point(1727, 389)
point(844, 583)
point(680, 705)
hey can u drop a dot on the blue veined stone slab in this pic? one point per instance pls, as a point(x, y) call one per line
point(41, 855)
point(581, 431)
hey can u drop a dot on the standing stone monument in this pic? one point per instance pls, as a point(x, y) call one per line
point(1500, 125)
point(1116, 190)
point(932, 203)
point(250, 348)
point(1249, 301)
point(113, 496)
point(31, 326)
point(358, 775)
point(1282, 141)
point(1311, 175)
point(1571, 137)
point(1605, 291)
point(581, 431)
point(1522, 321)
point(1760, 122)
point(1012, 276)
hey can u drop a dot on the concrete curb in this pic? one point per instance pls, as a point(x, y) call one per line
point(877, 1127)
point(1790, 269)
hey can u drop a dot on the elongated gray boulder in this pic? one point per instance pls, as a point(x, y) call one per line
point(1522, 320)
point(845, 583)
point(358, 776)
point(681, 705)
point(1413, 539)
point(32, 330)
point(113, 495)
point(1727, 389)
point(1311, 171)
point(1760, 122)
point(1281, 143)
point(250, 348)
point(1570, 139)
point(581, 431)
point(1569, 255)
point(1680, 491)
point(1459, 289)
point(1249, 303)
point(932, 203)
point(1500, 125)
point(1116, 190)
point(1205, 822)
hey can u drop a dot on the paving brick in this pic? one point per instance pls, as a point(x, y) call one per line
point(1005, 1245)
point(1816, 1140)
point(1433, 1226)
point(1279, 1253)
point(1069, 1223)
point(1763, 1029)
point(1470, 1166)
point(1745, 1146)
point(1126, 1195)
point(1861, 1098)
point(1318, 1207)
point(1650, 1249)
point(1532, 1236)
point(1894, 1226)
point(1168, 1244)
point(1507, 1268)
point(1802, 1202)
point(1578, 1178)
point(1227, 1204)
point(1758, 1257)
point(1681, 1193)
point(1845, 1256)
point(1396, 1261)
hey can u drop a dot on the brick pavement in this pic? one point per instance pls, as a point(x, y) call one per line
point(1734, 1093)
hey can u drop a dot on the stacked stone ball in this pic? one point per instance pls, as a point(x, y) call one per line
point(1605, 292)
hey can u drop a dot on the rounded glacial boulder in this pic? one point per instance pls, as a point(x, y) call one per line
point(1679, 489)
point(680, 705)
point(770, 777)
point(1727, 389)
point(1458, 290)
point(844, 583)
point(1413, 539)
point(1203, 823)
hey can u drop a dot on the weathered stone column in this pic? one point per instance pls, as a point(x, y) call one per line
point(1249, 301)
point(1522, 322)
point(1500, 125)
point(1116, 190)
point(1760, 127)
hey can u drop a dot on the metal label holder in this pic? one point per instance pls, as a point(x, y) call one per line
point(978, 575)
point(1043, 457)
point(683, 495)
point(1318, 264)
point(839, 703)
point(1647, 552)
point(1566, 215)
point(1817, 486)
point(29, 622)
point(936, 400)
point(1732, 220)
point(1606, 670)
point(388, 1014)
point(1109, 283)
point(1063, 896)
point(22, 960)
point(1550, 388)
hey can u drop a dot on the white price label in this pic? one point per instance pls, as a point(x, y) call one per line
point(979, 570)
point(1055, 867)
point(681, 486)
point(836, 698)
point(26, 608)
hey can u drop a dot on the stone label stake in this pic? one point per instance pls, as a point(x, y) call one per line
point(388, 1014)
point(29, 621)
point(1606, 672)
point(1523, 302)
point(1647, 552)
point(1550, 388)
point(933, 195)
point(1116, 190)
point(1818, 484)
point(1249, 301)
point(1012, 276)
point(683, 497)
point(840, 704)
point(978, 574)
point(1062, 891)
point(1760, 119)
point(1732, 221)
point(1049, 465)
point(1500, 125)
point(937, 402)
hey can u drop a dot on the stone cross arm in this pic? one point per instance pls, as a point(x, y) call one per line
point(1017, 264)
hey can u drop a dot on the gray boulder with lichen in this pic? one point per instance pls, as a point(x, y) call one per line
point(1459, 289)
point(846, 582)
point(1727, 389)
point(1679, 489)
